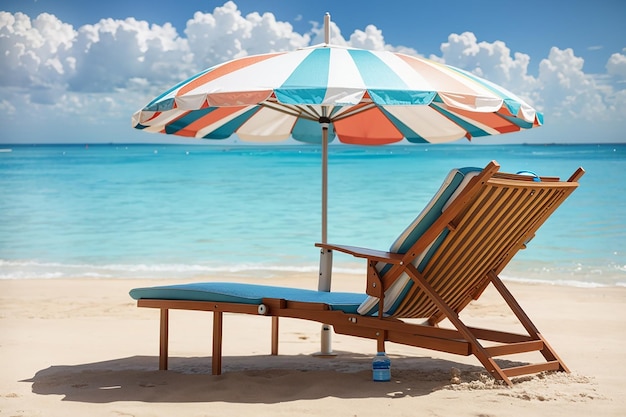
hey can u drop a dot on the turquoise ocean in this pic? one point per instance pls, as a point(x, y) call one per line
point(190, 211)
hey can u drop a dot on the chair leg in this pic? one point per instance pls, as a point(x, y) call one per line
point(477, 349)
point(163, 342)
point(274, 335)
point(548, 353)
point(216, 366)
point(380, 340)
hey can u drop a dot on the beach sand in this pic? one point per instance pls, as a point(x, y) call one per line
point(82, 348)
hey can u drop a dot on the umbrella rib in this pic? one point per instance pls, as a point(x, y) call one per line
point(310, 112)
point(353, 110)
point(297, 111)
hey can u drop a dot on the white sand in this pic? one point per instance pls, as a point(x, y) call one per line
point(82, 348)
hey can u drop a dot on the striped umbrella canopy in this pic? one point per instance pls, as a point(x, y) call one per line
point(362, 97)
point(366, 97)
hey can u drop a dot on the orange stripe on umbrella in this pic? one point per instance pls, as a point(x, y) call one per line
point(223, 70)
point(370, 127)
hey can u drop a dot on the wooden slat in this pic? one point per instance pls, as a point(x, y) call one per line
point(376, 255)
point(513, 348)
point(458, 262)
point(500, 235)
point(412, 329)
point(499, 336)
point(457, 347)
point(489, 234)
point(532, 368)
point(576, 175)
point(199, 305)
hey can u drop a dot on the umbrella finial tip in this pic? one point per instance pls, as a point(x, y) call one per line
point(327, 28)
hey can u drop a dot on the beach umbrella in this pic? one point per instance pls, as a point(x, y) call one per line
point(323, 92)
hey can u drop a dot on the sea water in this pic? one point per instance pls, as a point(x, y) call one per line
point(184, 211)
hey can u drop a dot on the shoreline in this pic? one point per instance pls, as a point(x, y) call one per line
point(23, 270)
point(74, 347)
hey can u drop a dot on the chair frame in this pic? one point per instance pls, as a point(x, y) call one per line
point(439, 299)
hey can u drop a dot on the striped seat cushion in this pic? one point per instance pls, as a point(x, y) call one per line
point(454, 183)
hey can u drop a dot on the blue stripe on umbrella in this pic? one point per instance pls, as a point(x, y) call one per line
point(393, 90)
point(229, 128)
point(404, 97)
point(164, 105)
point(182, 122)
point(171, 101)
point(410, 135)
point(519, 122)
point(308, 131)
point(470, 128)
point(512, 105)
point(312, 72)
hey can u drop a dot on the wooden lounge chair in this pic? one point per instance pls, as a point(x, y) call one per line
point(446, 258)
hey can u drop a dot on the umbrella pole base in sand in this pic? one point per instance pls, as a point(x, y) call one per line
point(325, 277)
point(326, 343)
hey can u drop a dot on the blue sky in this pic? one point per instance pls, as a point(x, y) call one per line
point(75, 71)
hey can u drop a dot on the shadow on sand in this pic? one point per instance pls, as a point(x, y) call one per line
point(246, 379)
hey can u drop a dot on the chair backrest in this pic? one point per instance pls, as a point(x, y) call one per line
point(480, 227)
point(455, 181)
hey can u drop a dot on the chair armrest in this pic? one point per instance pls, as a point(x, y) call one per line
point(371, 254)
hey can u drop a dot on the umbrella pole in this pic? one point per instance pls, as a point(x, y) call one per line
point(326, 259)
point(326, 256)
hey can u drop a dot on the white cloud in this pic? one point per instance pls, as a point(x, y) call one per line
point(492, 61)
point(6, 107)
point(616, 66)
point(34, 52)
point(112, 52)
point(226, 34)
point(567, 91)
point(562, 89)
point(371, 38)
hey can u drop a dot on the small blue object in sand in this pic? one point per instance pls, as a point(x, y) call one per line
point(381, 368)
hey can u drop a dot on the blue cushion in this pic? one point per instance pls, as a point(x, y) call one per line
point(454, 183)
point(230, 292)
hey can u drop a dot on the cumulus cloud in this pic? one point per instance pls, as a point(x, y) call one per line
point(565, 86)
point(50, 68)
point(111, 54)
point(616, 66)
point(562, 88)
point(492, 61)
point(35, 52)
point(226, 34)
point(45, 54)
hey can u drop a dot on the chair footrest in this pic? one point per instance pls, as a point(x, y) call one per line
point(532, 368)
